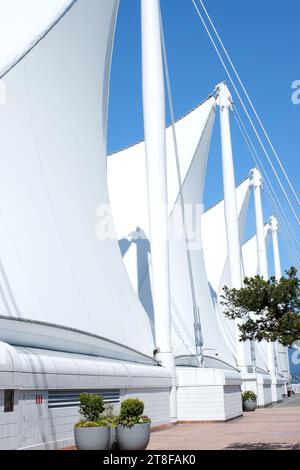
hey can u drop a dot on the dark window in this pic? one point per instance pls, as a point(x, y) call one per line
point(8, 401)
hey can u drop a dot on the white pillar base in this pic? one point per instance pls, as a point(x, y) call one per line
point(268, 389)
point(168, 361)
point(208, 394)
point(277, 388)
point(260, 384)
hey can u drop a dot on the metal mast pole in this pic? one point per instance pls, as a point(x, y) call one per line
point(155, 142)
point(273, 223)
point(263, 264)
point(231, 212)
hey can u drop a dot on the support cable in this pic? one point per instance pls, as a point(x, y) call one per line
point(259, 163)
point(270, 197)
point(289, 242)
point(246, 112)
point(197, 323)
point(250, 101)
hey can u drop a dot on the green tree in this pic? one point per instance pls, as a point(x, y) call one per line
point(269, 309)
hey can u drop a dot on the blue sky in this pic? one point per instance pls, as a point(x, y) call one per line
point(264, 42)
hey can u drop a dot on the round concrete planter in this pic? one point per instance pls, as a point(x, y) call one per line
point(249, 405)
point(134, 438)
point(96, 438)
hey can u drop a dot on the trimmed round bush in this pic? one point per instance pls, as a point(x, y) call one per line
point(132, 407)
point(91, 406)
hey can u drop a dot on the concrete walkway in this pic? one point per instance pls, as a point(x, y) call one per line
point(269, 428)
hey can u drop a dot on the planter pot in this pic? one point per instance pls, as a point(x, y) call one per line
point(249, 405)
point(92, 438)
point(134, 438)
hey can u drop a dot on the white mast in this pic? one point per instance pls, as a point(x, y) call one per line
point(262, 258)
point(256, 181)
point(155, 143)
point(273, 224)
point(274, 231)
point(231, 212)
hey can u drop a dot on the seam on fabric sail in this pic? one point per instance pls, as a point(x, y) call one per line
point(38, 39)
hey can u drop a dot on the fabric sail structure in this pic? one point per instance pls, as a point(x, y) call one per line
point(23, 24)
point(58, 281)
point(128, 195)
point(127, 182)
point(217, 266)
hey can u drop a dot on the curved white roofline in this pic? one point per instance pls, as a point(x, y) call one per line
point(27, 368)
point(22, 332)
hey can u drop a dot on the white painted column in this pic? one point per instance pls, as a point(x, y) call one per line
point(256, 181)
point(278, 273)
point(155, 142)
point(231, 211)
point(262, 252)
point(274, 231)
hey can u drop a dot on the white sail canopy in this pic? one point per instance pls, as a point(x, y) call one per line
point(217, 266)
point(23, 23)
point(127, 182)
point(53, 124)
point(128, 193)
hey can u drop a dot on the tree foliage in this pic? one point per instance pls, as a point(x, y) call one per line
point(270, 309)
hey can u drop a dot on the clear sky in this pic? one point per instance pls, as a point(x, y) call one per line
point(263, 39)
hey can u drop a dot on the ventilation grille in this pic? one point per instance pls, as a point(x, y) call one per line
point(70, 399)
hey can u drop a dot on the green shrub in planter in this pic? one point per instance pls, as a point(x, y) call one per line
point(133, 430)
point(132, 407)
point(93, 432)
point(249, 395)
point(91, 406)
point(249, 401)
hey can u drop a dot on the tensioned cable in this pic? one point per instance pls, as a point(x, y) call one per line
point(252, 149)
point(181, 337)
point(197, 325)
point(249, 100)
point(185, 328)
point(290, 245)
point(257, 158)
point(246, 112)
point(284, 241)
point(177, 312)
point(238, 95)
